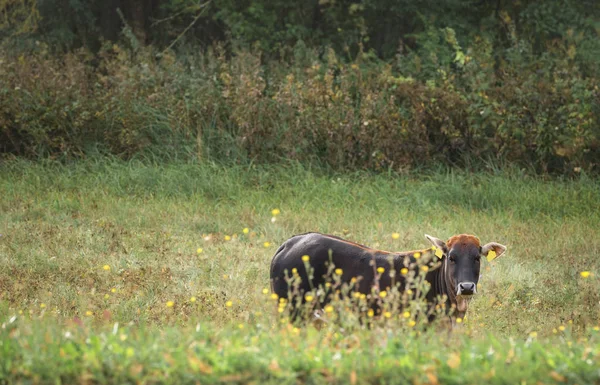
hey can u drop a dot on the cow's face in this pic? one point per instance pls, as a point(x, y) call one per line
point(463, 254)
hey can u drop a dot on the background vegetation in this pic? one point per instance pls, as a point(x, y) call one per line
point(371, 84)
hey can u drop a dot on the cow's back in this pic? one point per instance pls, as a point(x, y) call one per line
point(325, 253)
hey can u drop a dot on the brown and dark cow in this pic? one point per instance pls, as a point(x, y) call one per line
point(453, 276)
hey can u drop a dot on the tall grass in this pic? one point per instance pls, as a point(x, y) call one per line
point(102, 242)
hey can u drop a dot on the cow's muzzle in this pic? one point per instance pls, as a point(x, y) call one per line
point(466, 288)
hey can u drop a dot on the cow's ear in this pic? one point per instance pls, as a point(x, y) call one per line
point(492, 250)
point(438, 243)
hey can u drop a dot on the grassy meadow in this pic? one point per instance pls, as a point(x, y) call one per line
point(128, 272)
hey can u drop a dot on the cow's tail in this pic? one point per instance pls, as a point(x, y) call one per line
point(273, 262)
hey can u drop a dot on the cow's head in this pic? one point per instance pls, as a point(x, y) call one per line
point(463, 255)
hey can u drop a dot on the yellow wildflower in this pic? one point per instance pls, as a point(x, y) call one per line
point(395, 235)
point(106, 296)
point(227, 238)
point(89, 313)
point(387, 314)
point(417, 255)
point(229, 303)
point(267, 244)
point(404, 271)
point(406, 314)
point(339, 271)
point(533, 334)
point(106, 267)
point(113, 290)
point(380, 270)
point(370, 313)
point(383, 294)
point(585, 274)
point(294, 271)
point(246, 230)
point(42, 305)
point(265, 291)
point(241, 326)
point(199, 250)
point(193, 299)
point(459, 320)
point(425, 268)
point(411, 323)
point(274, 296)
point(562, 328)
point(170, 303)
point(308, 298)
point(453, 361)
point(275, 212)
point(305, 258)
point(596, 328)
point(328, 309)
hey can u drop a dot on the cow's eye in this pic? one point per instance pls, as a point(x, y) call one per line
point(452, 259)
point(478, 258)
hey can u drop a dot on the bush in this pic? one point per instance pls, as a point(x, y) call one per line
point(363, 114)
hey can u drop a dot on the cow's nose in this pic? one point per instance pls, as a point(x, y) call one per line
point(466, 288)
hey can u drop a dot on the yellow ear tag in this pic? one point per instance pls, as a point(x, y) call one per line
point(491, 255)
point(439, 253)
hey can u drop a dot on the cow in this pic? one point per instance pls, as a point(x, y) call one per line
point(452, 269)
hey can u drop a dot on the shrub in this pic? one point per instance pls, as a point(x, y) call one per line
point(362, 114)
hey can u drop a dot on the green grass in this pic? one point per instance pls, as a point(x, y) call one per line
point(61, 225)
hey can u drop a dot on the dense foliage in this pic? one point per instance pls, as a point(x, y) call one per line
point(371, 84)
